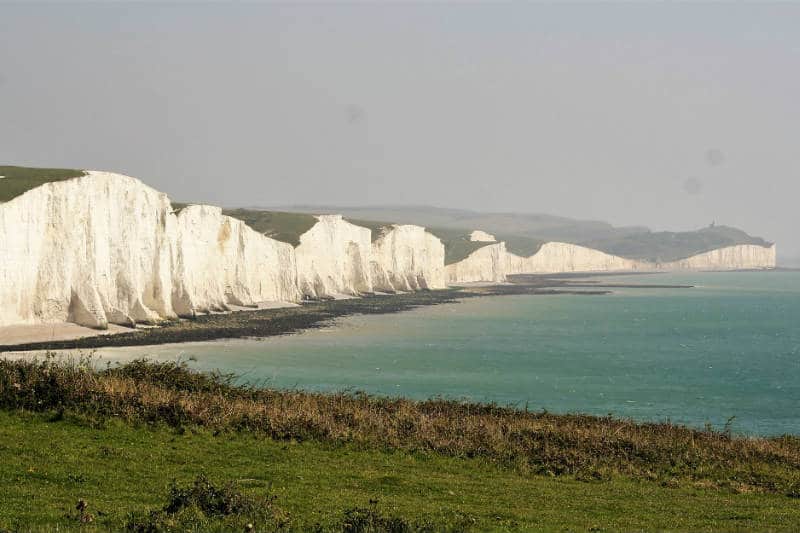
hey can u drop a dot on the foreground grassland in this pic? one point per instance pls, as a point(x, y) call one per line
point(17, 180)
point(133, 442)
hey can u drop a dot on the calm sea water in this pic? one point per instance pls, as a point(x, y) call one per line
point(730, 347)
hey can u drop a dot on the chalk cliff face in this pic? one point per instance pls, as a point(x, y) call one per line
point(407, 258)
point(333, 259)
point(564, 257)
point(105, 248)
point(739, 257)
point(488, 263)
point(559, 257)
point(68, 253)
point(219, 260)
point(481, 236)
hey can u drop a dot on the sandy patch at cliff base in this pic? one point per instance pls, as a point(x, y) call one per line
point(23, 334)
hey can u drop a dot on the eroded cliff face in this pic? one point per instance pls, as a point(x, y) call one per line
point(563, 257)
point(407, 258)
point(559, 257)
point(105, 248)
point(90, 250)
point(488, 264)
point(739, 257)
point(333, 259)
point(220, 261)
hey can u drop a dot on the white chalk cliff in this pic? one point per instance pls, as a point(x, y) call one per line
point(333, 259)
point(90, 250)
point(407, 258)
point(105, 248)
point(488, 264)
point(559, 257)
point(220, 261)
point(739, 257)
point(564, 257)
point(481, 236)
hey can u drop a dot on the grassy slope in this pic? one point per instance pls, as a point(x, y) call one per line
point(118, 438)
point(285, 227)
point(46, 467)
point(18, 180)
point(457, 245)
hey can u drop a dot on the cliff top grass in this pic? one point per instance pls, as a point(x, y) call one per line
point(284, 227)
point(135, 443)
point(18, 180)
point(278, 225)
point(457, 245)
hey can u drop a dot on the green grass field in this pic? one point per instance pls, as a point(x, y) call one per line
point(157, 447)
point(48, 465)
point(18, 180)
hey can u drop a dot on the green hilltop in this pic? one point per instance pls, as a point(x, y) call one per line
point(18, 180)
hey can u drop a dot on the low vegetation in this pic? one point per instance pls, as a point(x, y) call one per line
point(18, 180)
point(663, 246)
point(457, 245)
point(284, 227)
point(158, 447)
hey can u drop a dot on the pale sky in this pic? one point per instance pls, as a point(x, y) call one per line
point(663, 115)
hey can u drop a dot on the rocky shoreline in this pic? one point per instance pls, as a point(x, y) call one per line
point(285, 320)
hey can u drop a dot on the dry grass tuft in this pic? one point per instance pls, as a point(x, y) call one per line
point(588, 447)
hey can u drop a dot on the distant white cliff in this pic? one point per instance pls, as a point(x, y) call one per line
point(487, 264)
point(563, 257)
point(739, 257)
point(105, 248)
point(407, 258)
point(481, 236)
point(558, 257)
point(333, 259)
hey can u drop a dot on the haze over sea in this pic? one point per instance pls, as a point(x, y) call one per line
point(729, 347)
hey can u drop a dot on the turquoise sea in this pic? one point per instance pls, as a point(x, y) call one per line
point(727, 349)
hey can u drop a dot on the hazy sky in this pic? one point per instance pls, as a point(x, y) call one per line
point(665, 115)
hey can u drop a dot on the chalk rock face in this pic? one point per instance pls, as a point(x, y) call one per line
point(219, 260)
point(91, 250)
point(333, 259)
point(739, 257)
point(481, 236)
point(558, 257)
point(554, 257)
point(488, 263)
point(407, 258)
